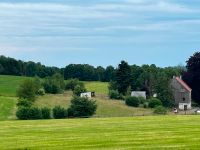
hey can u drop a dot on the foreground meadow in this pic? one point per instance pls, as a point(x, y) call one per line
point(152, 132)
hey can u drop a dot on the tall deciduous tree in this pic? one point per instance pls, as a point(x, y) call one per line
point(123, 77)
point(192, 76)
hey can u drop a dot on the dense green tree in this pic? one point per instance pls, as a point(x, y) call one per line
point(123, 77)
point(192, 76)
point(82, 107)
point(27, 90)
point(54, 84)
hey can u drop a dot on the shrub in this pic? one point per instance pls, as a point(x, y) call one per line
point(142, 100)
point(114, 94)
point(160, 110)
point(72, 83)
point(27, 90)
point(132, 101)
point(46, 113)
point(59, 112)
point(54, 84)
point(154, 102)
point(24, 103)
point(79, 89)
point(22, 113)
point(145, 105)
point(28, 113)
point(41, 92)
point(35, 113)
point(82, 107)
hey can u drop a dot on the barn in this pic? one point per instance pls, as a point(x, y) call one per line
point(182, 93)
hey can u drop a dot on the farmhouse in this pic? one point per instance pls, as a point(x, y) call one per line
point(182, 93)
point(139, 94)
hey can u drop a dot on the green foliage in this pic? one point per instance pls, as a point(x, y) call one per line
point(160, 110)
point(82, 107)
point(191, 76)
point(154, 102)
point(145, 105)
point(59, 112)
point(28, 113)
point(142, 100)
point(41, 92)
point(54, 84)
point(27, 90)
point(79, 89)
point(24, 103)
point(163, 90)
point(71, 84)
point(46, 113)
point(132, 101)
point(114, 94)
point(123, 77)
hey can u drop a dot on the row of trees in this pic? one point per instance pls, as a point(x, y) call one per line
point(83, 72)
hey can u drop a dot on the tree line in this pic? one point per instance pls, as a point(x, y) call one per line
point(83, 72)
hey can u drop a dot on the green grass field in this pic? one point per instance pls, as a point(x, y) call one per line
point(98, 87)
point(7, 107)
point(10, 84)
point(155, 132)
point(106, 107)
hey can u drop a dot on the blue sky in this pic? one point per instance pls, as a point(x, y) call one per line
point(100, 32)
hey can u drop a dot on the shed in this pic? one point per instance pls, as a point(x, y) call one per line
point(139, 94)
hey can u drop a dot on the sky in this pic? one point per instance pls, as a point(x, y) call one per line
point(100, 32)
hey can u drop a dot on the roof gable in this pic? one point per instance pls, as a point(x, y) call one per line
point(183, 84)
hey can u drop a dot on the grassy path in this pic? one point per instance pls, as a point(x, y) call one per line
point(157, 132)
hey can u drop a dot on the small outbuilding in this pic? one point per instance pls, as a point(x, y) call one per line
point(182, 93)
point(139, 94)
point(88, 94)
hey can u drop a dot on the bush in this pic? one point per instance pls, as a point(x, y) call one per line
point(46, 113)
point(132, 101)
point(160, 110)
point(27, 90)
point(22, 113)
point(41, 92)
point(142, 100)
point(24, 103)
point(54, 84)
point(59, 112)
point(72, 83)
point(79, 89)
point(35, 113)
point(114, 94)
point(29, 113)
point(154, 102)
point(145, 105)
point(82, 107)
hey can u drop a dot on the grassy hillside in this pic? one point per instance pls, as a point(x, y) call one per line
point(10, 84)
point(171, 132)
point(98, 87)
point(106, 107)
point(7, 108)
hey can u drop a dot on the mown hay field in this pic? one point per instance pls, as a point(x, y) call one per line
point(149, 132)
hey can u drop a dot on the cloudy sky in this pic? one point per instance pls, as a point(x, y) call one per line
point(100, 32)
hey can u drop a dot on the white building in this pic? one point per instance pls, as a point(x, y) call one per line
point(139, 94)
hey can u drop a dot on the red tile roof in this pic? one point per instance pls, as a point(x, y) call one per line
point(183, 84)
